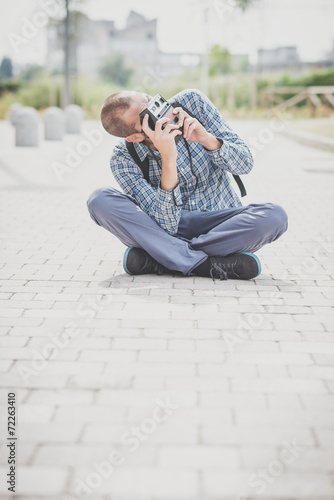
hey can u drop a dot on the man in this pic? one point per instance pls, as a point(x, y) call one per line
point(168, 225)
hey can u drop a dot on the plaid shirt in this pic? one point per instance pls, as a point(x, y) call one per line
point(214, 189)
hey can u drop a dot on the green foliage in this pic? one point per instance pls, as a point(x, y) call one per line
point(8, 86)
point(116, 70)
point(219, 60)
point(38, 95)
point(6, 100)
point(91, 95)
point(244, 4)
point(229, 92)
point(6, 69)
point(31, 72)
point(314, 78)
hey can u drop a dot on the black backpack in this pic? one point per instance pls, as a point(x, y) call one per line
point(144, 165)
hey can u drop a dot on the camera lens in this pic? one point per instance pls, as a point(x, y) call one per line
point(157, 104)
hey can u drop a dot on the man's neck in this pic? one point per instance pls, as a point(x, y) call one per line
point(150, 144)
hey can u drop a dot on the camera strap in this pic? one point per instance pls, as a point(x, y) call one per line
point(144, 164)
point(237, 179)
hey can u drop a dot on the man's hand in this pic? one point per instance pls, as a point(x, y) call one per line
point(193, 131)
point(164, 140)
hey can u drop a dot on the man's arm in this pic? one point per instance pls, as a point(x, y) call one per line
point(225, 148)
point(157, 203)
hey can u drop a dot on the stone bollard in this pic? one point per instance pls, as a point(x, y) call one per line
point(26, 127)
point(13, 110)
point(74, 117)
point(54, 124)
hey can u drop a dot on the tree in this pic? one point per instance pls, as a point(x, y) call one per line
point(219, 60)
point(69, 45)
point(31, 72)
point(6, 69)
point(117, 70)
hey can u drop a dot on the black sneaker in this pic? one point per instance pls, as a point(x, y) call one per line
point(237, 266)
point(137, 261)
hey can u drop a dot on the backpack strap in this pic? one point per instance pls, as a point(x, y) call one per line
point(143, 165)
point(237, 179)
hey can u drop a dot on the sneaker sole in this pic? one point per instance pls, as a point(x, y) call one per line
point(124, 261)
point(257, 261)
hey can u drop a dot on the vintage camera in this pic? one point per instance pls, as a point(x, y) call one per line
point(158, 108)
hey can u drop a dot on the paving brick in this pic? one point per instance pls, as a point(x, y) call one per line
point(310, 347)
point(127, 398)
point(314, 372)
point(66, 397)
point(84, 380)
point(273, 371)
point(269, 358)
point(281, 386)
point(182, 345)
point(7, 341)
point(151, 369)
point(227, 370)
point(71, 297)
point(71, 455)
point(324, 359)
point(108, 356)
point(150, 481)
point(235, 485)
point(80, 414)
point(229, 400)
point(14, 353)
point(180, 357)
point(200, 456)
point(157, 384)
point(139, 344)
point(308, 460)
point(285, 416)
point(11, 313)
point(199, 384)
point(5, 364)
point(40, 480)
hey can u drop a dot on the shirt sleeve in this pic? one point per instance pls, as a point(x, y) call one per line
point(234, 155)
point(157, 203)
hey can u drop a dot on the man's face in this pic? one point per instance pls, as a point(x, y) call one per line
point(131, 115)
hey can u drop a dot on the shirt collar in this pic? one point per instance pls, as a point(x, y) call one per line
point(142, 150)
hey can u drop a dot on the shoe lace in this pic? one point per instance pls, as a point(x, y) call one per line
point(222, 271)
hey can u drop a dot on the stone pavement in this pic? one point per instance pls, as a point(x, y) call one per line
point(164, 388)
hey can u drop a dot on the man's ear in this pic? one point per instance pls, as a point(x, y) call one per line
point(138, 137)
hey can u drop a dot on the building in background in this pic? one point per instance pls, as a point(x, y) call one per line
point(287, 58)
point(278, 59)
point(95, 42)
point(331, 55)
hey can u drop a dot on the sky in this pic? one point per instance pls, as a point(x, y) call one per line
point(308, 24)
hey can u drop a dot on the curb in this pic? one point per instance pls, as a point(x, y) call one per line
point(309, 139)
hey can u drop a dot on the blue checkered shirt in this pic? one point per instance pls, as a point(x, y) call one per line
point(214, 190)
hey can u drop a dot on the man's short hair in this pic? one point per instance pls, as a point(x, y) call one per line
point(111, 114)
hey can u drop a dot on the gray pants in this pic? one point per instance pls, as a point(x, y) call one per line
point(230, 230)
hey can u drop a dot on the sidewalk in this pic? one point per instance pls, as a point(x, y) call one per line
point(164, 388)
